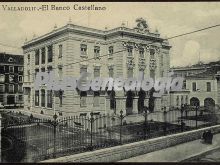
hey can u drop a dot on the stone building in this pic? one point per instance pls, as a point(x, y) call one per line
point(201, 83)
point(130, 52)
point(11, 80)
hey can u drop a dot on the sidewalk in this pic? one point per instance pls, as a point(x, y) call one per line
point(177, 153)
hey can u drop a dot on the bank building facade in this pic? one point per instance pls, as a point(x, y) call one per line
point(68, 50)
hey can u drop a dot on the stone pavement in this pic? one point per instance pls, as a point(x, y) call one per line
point(178, 153)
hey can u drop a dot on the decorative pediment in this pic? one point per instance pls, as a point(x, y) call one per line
point(139, 46)
point(142, 26)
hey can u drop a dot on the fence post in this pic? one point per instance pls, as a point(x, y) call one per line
point(196, 115)
point(91, 124)
point(55, 123)
point(165, 122)
point(121, 119)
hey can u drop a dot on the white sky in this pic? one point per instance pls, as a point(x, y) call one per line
point(169, 18)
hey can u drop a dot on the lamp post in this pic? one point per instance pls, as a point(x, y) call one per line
point(91, 121)
point(121, 119)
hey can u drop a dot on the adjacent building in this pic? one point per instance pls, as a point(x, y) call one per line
point(11, 80)
point(145, 54)
point(201, 81)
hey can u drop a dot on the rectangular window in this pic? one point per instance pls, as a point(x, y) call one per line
point(50, 53)
point(2, 78)
point(2, 88)
point(130, 50)
point(1, 98)
point(182, 100)
point(11, 88)
point(110, 51)
point(83, 49)
point(96, 51)
point(83, 69)
point(177, 101)
point(208, 84)
point(28, 59)
point(20, 90)
point(43, 55)
point(42, 98)
point(2, 69)
point(141, 53)
point(49, 98)
point(20, 98)
point(152, 53)
point(194, 86)
point(111, 72)
point(20, 68)
point(184, 84)
point(83, 96)
point(37, 53)
point(96, 72)
point(36, 98)
point(96, 99)
point(11, 69)
point(60, 51)
point(20, 78)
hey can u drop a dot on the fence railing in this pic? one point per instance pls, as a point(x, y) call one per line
point(28, 139)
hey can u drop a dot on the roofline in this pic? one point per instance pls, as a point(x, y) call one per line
point(11, 54)
point(101, 33)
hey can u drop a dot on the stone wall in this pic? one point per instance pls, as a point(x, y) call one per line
point(134, 149)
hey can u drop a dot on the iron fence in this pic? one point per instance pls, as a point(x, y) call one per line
point(28, 139)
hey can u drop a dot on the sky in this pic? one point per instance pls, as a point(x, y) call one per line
point(170, 18)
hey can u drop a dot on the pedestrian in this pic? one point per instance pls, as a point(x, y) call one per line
point(209, 137)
